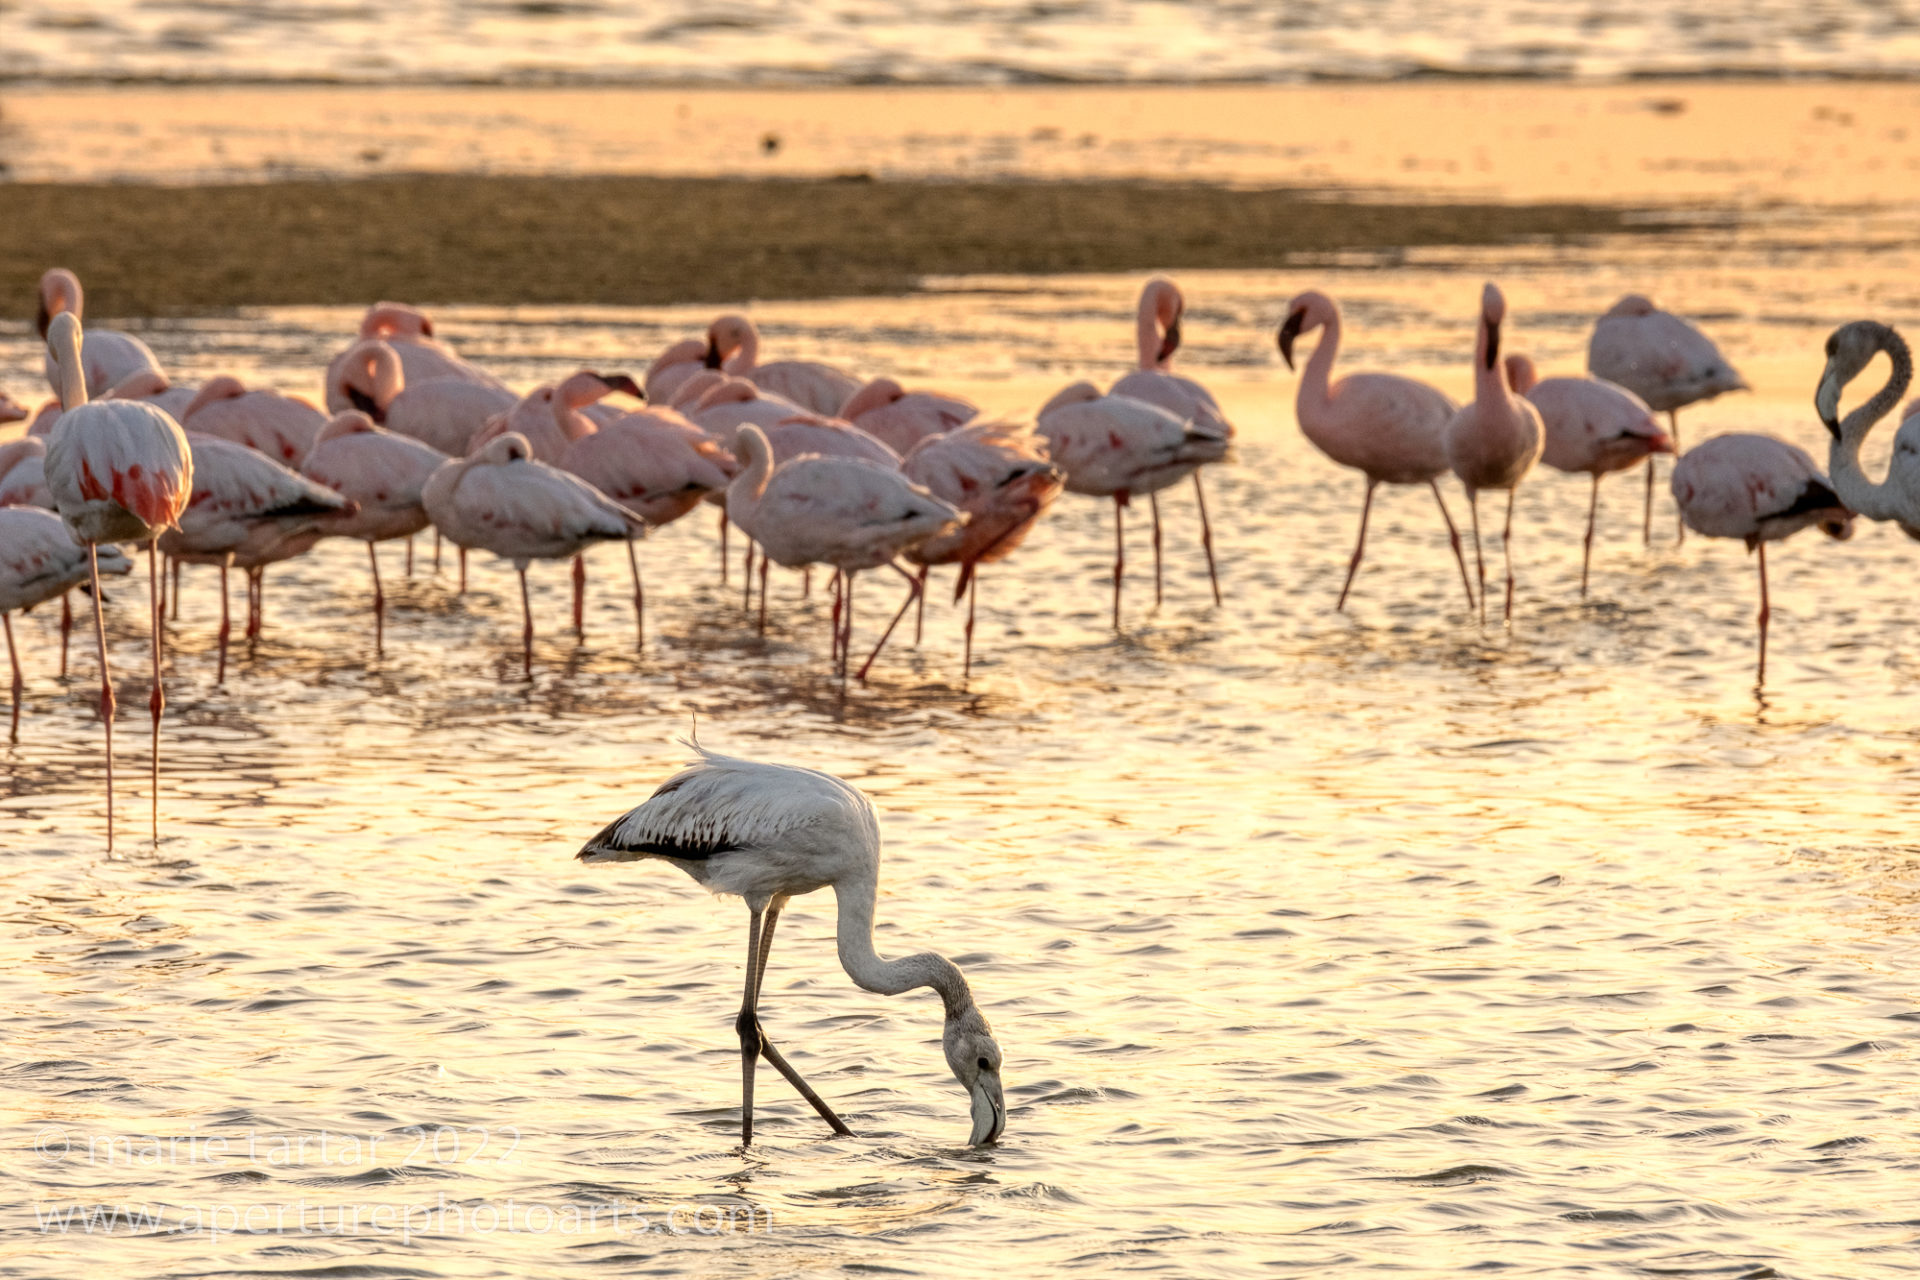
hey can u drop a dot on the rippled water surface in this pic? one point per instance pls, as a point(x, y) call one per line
point(1318, 944)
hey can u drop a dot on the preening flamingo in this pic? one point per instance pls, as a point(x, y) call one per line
point(39, 560)
point(850, 513)
point(423, 357)
point(280, 426)
point(1759, 490)
point(1391, 429)
point(1897, 498)
point(553, 416)
point(733, 345)
point(502, 500)
point(1494, 440)
point(384, 474)
point(1116, 446)
point(1593, 427)
point(443, 412)
point(768, 833)
point(901, 419)
point(106, 355)
point(1156, 338)
point(1664, 360)
point(119, 471)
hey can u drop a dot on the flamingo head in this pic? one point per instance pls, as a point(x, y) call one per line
point(725, 336)
point(1850, 348)
point(1522, 376)
point(1493, 310)
point(371, 376)
point(1308, 311)
point(877, 394)
point(974, 1056)
point(587, 387)
point(395, 320)
point(59, 291)
point(1159, 320)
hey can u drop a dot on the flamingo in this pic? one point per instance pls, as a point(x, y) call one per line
point(1157, 337)
point(106, 355)
point(767, 833)
point(1664, 360)
point(40, 560)
point(733, 345)
point(901, 419)
point(12, 410)
point(1592, 426)
point(149, 385)
point(23, 473)
point(1760, 490)
point(1897, 498)
point(673, 368)
point(1495, 439)
point(503, 500)
point(384, 475)
point(850, 513)
point(442, 412)
point(281, 427)
point(119, 471)
point(423, 357)
point(729, 401)
point(246, 510)
point(1116, 446)
point(1391, 429)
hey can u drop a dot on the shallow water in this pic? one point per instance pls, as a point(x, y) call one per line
point(1317, 943)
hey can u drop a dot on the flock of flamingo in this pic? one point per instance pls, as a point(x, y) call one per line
point(817, 468)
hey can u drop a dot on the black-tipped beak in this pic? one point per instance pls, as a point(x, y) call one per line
point(712, 358)
point(1826, 401)
point(42, 318)
point(1493, 343)
point(1288, 332)
point(1170, 341)
point(365, 404)
point(621, 382)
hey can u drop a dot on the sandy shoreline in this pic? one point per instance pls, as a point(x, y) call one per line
point(636, 241)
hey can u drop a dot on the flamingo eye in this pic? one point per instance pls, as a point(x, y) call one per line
point(985, 1065)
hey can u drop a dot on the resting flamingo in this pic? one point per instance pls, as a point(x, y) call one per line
point(12, 410)
point(1157, 337)
point(23, 473)
point(1664, 360)
point(1391, 429)
point(280, 426)
point(673, 368)
point(119, 471)
point(1593, 427)
point(553, 416)
point(106, 355)
point(39, 560)
point(1493, 441)
point(148, 385)
point(768, 833)
point(443, 412)
point(850, 513)
point(733, 345)
point(423, 357)
point(1760, 490)
point(501, 499)
point(718, 404)
point(1116, 446)
point(901, 419)
point(1897, 498)
point(384, 474)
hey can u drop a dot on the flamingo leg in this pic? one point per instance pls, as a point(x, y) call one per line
point(836, 616)
point(526, 630)
point(973, 596)
point(409, 556)
point(379, 600)
point(806, 583)
point(66, 628)
point(106, 678)
point(723, 546)
point(920, 612)
point(1586, 548)
point(174, 600)
point(1506, 549)
point(166, 563)
point(1766, 614)
point(913, 593)
point(1646, 516)
point(226, 620)
point(748, 1025)
point(751, 1032)
point(1206, 536)
point(436, 552)
point(13, 656)
point(1453, 537)
point(1679, 519)
point(846, 628)
point(1473, 504)
point(1153, 505)
point(1359, 545)
point(463, 567)
point(763, 594)
point(1119, 552)
point(639, 598)
point(579, 596)
point(157, 699)
point(746, 597)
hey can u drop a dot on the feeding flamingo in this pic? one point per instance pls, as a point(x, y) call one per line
point(1391, 429)
point(39, 560)
point(1664, 360)
point(106, 355)
point(901, 419)
point(1592, 426)
point(1897, 498)
point(443, 412)
point(280, 426)
point(1759, 490)
point(1494, 440)
point(119, 471)
point(768, 833)
point(733, 345)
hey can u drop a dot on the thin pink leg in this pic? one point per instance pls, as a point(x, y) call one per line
point(1506, 549)
point(379, 600)
point(463, 563)
point(409, 556)
point(639, 598)
point(1206, 536)
point(920, 609)
point(158, 698)
point(579, 596)
point(1586, 548)
point(436, 552)
point(1453, 537)
point(1679, 520)
point(1119, 552)
point(1766, 614)
point(19, 681)
point(1473, 504)
point(723, 546)
point(1359, 546)
point(1153, 505)
point(846, 628)
point(226, 621)
point(913, 593)
point(526, 631)
point(106, 680)
point(764, 562)
point(746, 596)
point(66, 628)
point(174, 600)
point(973, 596)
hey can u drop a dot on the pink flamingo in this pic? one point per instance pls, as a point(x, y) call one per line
point(384, 474)
point(443, 412)
point(1759, 490)
point(901, 419)
point(23, 473)
point(730, 401)
point(1157, 337)
point(672, 369)
point(1664, 360)
point(142, 384)
point(423, 357)
point(503, 500)
point(1592, 426)
point(281, 427)
point(246, 510)
point(1495, 439)
point(12, 410)
point(1116, 446)
point(119, 471)
point(106, 355)
point(1391, 429)
point(850, 513)
point(40, 560)
point(733, 345)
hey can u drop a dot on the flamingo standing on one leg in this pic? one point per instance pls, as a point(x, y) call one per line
point(1664, 360)
point(503, 500)
point(733, 345)
point(1897, 498)
point(106, 355)
point(119, 471)
point(40, 560)
point(767, 833)
point(1116, 446)
point(1593, 427)
point(1157, 337)
point(1759, 490)
point(1391, 429)
point(1495, 439)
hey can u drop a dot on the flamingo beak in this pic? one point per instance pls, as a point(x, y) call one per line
point(1493, 343)
point(621, 382)
point(42, 317)
point(1288, 332)
point(712, 359)
point(1170, 341)
point(989, 1109)
point(1826, 401)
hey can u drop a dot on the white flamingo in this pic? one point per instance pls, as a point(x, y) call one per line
point(443, 412)
point(901, 419)
point(280, 426)
point(1897, 498)
point(39, 560)
point(106, 355)
point(768, 833)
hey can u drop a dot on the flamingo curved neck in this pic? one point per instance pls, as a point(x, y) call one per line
point(73, 375)
point(854, 938)
point(1489, 376)
point(1148, 336)
point(1874, 501)
point(1316, 389)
